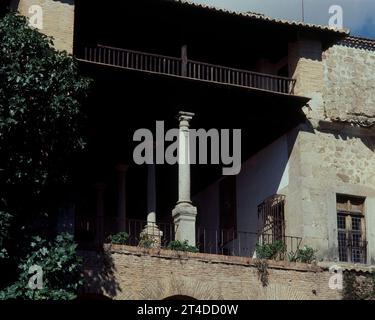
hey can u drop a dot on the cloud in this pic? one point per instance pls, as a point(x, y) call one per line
point(359, 15)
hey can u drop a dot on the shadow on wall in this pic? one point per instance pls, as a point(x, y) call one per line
point(71, 2)
point(262, 176)
point(99, 272)
point(345, 133)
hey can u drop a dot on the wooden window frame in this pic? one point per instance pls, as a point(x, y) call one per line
point(352, 207)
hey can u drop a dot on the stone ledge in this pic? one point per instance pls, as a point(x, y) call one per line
point(208, 258)
point(346, 266)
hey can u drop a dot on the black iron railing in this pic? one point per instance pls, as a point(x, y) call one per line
point(149, 234)
point(239, 243)
point(141, 232)
point(172, 66)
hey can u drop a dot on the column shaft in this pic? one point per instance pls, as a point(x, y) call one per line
point(184, 213)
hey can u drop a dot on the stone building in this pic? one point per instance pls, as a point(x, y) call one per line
point(303, 96)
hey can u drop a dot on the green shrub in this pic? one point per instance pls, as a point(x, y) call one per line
point(358, 287)
point(304, 255)
point(146, 241)
point(263, 273)
point(119, 238)
point(270, 251)
point(182, 246)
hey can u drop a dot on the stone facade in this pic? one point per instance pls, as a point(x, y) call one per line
point(333, 152)
point(126, 274)
point(305, 65)
point(58, 19)
point(349, 84)
point(322, 165)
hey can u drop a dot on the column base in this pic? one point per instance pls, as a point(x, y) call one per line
point(150, 237)
point(184, 215)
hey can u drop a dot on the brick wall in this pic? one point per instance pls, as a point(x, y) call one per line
point(134, 273)
point(305, 65)
point(58, 19)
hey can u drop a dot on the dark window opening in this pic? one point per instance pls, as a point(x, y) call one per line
point(228, 209)
point(283, 71)
point(271, 219)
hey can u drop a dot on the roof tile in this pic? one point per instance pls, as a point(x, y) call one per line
point(263, 17)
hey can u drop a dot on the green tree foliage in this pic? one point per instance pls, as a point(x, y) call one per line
point(5, 219)
point(61, 271)
point(40, 110)
point(41, 131)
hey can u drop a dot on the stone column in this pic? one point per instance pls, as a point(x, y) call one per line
point(121, 197)
point(184, 213)
point(99, 232)
point(151, 234)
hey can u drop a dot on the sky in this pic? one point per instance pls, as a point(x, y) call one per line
point(358, 15)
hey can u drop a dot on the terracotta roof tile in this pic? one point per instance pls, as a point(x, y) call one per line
point(258, 16)
point(360, 43)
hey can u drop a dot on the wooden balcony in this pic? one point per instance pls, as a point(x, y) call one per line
point(186, 68)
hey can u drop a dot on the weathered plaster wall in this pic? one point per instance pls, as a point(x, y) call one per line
point(349, 84)
point(58, 19)
point(324, 164)
point(135, 273)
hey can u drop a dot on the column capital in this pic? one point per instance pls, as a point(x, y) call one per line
point(184, 118)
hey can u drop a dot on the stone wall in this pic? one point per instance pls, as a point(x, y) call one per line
point(322, 165)
point(136, 273)
point(305, 65)
point(333, 152)
point(349, 84)
point(58, 19)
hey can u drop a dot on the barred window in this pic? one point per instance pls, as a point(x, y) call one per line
point(271, 220)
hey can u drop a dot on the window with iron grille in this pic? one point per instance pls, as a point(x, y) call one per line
point(351, 229)
point(271, 220)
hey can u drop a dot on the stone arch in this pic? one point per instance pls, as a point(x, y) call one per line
point(179, 297)
point(93, 296)
point(281, 292)
point(180, 286)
